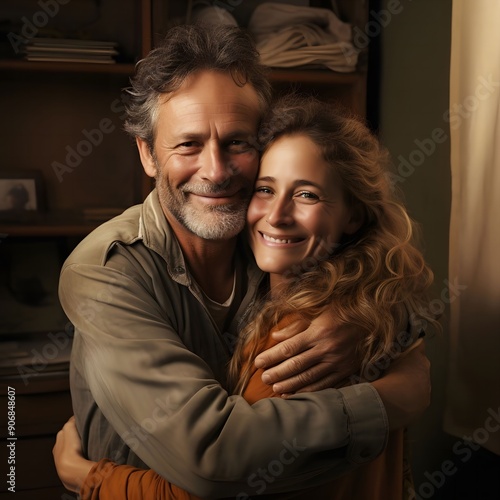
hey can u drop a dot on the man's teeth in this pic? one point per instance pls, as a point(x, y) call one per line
point(275, 240)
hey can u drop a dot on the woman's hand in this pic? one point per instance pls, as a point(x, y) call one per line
point(71, 466)
point(311, 357)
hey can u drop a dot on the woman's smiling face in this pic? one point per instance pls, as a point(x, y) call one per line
point(298, 210)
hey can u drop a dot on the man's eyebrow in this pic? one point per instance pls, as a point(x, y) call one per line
point(188, 135)
point(234, 134)
point(184, 136)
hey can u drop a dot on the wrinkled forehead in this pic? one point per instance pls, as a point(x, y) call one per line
point(217, 88)
point(209, 95)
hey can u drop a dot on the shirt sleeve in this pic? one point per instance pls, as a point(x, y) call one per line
point(166, 405)
point(108, 481)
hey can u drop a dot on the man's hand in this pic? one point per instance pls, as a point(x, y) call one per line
point(71, 466)
point(405, 389)
point(311, 357)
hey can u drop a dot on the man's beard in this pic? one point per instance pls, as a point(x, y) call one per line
point(212, 222)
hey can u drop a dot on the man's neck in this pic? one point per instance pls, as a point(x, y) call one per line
point(211, 262)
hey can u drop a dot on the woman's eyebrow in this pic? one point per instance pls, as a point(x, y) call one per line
point(297, 183)
point(305, 182)
point(266, 179)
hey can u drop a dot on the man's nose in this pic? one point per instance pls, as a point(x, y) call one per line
point(215, 165)
point(280, 212)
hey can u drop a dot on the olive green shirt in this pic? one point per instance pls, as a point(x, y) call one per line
point(148, 374)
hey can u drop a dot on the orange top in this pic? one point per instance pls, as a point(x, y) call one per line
point(388, 477)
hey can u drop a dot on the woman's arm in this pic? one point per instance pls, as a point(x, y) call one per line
point(71, 466)
point(105, 480)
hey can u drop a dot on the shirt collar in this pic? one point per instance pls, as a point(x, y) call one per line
point(157, 234)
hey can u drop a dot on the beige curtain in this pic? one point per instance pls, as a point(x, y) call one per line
point(473, 404)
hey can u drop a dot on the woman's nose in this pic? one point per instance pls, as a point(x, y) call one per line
point(280, 213)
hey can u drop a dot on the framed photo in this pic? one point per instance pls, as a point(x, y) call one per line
point(21, 192)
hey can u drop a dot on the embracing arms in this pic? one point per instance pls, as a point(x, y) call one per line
point(165, 403)
point(324, 354)
point(108, 480)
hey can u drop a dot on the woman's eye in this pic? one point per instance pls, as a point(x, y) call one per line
point(263, 191)
point(307, 196)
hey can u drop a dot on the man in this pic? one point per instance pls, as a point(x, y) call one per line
point(156, 294)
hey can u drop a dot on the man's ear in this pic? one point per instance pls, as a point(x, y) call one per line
point(147, 160)
point(356, 219)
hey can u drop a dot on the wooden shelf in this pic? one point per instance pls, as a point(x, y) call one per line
point(48, 225)
point(61, 67)
point(314, 77)
point(277, 75)
point(42, 231)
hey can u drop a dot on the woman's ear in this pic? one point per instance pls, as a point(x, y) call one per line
point(147, 160)
point(356, 219)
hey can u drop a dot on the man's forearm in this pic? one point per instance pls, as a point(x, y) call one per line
point(405, 389)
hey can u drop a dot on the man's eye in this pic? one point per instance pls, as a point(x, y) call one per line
point(237, 146)
point(188, 148)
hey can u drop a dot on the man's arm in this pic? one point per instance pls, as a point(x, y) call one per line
point(165, 403)
point(405, 389)
point(313, 356)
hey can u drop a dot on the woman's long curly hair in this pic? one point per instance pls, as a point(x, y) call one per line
point(377, 279)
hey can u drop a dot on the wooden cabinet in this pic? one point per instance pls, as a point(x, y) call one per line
point(64, 120)
point(41, 404)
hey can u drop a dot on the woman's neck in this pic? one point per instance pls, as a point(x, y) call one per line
point(275, 280)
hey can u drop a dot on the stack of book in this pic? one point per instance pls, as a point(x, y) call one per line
point(70, 50)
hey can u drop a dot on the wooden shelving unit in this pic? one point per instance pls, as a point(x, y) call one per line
point(46, 106)
point(46, 109)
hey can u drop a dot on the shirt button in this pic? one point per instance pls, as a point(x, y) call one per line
point(179, 270)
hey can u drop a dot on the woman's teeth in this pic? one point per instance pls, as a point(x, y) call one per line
point(277, 240)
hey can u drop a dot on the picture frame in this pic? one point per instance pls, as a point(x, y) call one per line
point(21, 192)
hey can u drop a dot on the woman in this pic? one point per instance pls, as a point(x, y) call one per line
point(323, 223)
